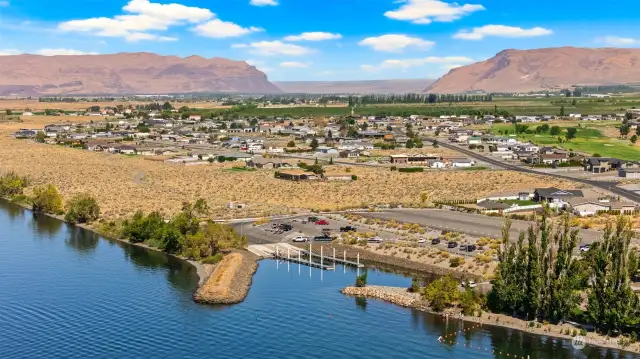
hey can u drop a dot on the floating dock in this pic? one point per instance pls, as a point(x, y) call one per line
point(289, 253)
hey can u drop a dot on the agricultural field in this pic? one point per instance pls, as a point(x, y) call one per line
point(601, 137)
point(125, 184)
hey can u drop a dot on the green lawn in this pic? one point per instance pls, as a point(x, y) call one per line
point(240, 169)
point(474, 168)
point(589, 138)
point(518, 202)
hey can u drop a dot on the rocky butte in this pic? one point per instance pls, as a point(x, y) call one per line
point(126, 73)
point(543, 69)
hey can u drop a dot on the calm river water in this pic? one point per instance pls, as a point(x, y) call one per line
point(68, 293)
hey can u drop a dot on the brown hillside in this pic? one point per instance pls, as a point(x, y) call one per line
point(126, 73)
point(543, 69)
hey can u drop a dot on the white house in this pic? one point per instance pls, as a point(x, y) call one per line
point(436, 164)
point(461, 163)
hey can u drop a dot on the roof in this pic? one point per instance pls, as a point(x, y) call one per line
point(297, 172)
point(553, 192)
point(580, 201)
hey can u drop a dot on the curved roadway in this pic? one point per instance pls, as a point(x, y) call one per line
point(633, 196)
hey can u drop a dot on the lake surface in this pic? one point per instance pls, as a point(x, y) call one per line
point(68, 293)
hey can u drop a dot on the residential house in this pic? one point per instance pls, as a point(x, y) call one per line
point(601, 164)
point(556, 198)
point(296, 175)
point(475, 140)
point(555, 158)
point(590, 207)
point(266, 163)
point(127, 150)
point(436, 164)
point(463, 162)
point(629, 172)
point(350, 153)
point(326, 151)
point(97, 145)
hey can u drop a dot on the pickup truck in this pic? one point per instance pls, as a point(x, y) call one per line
point(348, 229)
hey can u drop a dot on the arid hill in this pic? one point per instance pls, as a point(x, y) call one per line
point(542, 69)
point(127, 73)
point(399, 86)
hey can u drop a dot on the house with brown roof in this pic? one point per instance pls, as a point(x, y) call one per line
point(295, 175)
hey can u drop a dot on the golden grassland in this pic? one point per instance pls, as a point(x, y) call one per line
point(35, 105)
point(41, 121)
point(125, 184)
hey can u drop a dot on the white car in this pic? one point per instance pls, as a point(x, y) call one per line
point(472, 284)
point(422, 240)
point(301, 239)
point(585, 248)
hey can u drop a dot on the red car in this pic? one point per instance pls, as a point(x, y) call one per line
point(322, 222)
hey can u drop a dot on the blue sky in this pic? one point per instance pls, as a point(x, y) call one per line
point(317, 40)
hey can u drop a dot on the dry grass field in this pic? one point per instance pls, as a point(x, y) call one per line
point(124, 184)
point(35, 105)
point(41, 121)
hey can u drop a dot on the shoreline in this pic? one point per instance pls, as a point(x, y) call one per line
point(231, 280)
point(201, 271)
point(401, 297)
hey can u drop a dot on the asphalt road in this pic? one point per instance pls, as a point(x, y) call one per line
point(472, 224)
point(607, 186)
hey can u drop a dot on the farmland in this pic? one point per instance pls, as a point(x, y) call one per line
point(513, 105)
point(601, 137)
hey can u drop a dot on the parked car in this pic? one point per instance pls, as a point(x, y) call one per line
point(452, 244)
point(584, 248)
point(422, 240)
point(435, 241)
point(348, 229)
point(374, 240)
point(301, 239)
point(471, 248)
point(322, 222)
point(323, 238)
point(463, 248)
point(286, 227)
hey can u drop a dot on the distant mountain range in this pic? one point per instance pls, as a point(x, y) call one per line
point(354, 87)
point(126, 73)
point(543, 69)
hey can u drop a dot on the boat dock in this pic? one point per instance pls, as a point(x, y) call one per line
point(289, 253)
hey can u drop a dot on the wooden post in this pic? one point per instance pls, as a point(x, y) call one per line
point(321, 258)
point(309, 259)
point(358, 260)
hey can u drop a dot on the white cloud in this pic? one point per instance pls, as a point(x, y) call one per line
point(478, 33)
point(263, 2)
point(220, 29)
point(4, 3)
point(294, 64)
point(427, 11)
point(143, 16)
point(271, 48)
point(9, 52)
point(445, 63)
point(313, 36)
point(396, 43)
point(56, 52)
point(618, 41)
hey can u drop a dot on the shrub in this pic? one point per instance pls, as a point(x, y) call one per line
point(411, 169)
point(393, 168)
point(361, 280)
point(354, 177)
point(11, 184)
point(214, 259)
point(456, 262)
point(47, 200)
point(82, 208)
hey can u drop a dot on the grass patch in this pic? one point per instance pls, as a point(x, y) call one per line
point(240, 169)
point(213, 259)
point(475, 168)
point(518, 202)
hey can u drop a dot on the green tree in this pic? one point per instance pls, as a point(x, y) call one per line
point(624, 129)
point(291, 144)
point(82, 208)
point(314, 144)
point(47, 199)
point(410, 143)
point(11, 184)
point(634, 139)
point(612, 303)
point(167, 106)
point(442, 293)
point(434, 143)
point(555, 130)
point(361, 280)
point(40, 137)
point(571, 133)
point(562, 114)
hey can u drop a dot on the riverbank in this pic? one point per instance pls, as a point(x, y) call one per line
point(230, 281)
point(388, 260)
point(402, 297)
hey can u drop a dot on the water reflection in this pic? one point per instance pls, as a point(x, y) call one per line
point(14, 211)
point(44, 225)
point(180, 274)
point(82, 241)
point(361, 303)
